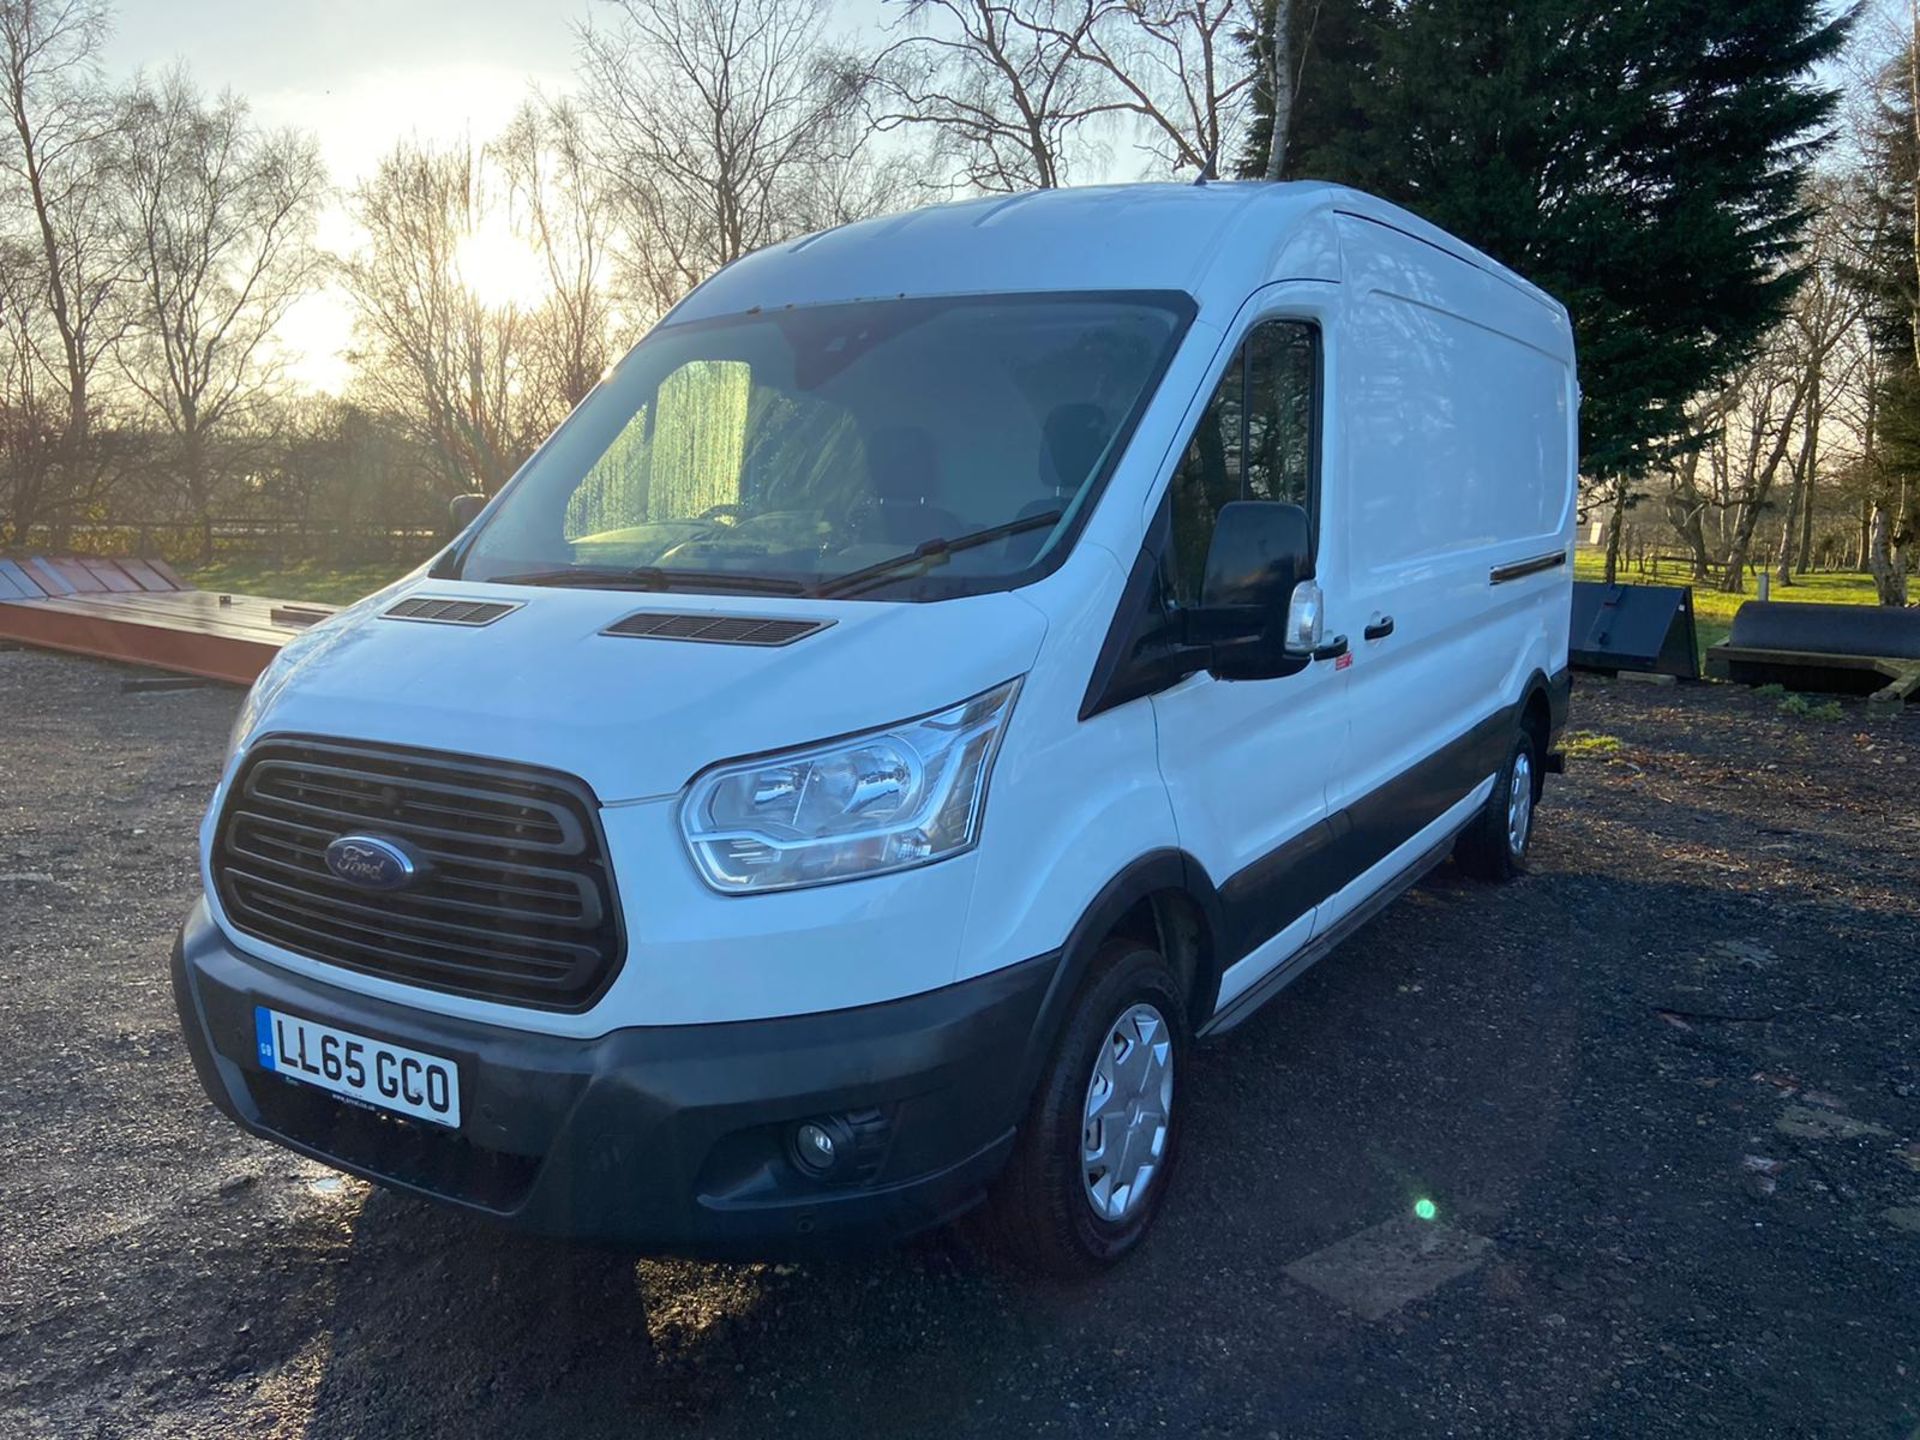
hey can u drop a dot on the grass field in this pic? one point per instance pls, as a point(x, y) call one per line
point(296, 580)
point(1713, 610)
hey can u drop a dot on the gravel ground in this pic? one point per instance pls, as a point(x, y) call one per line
point(1664, 1092)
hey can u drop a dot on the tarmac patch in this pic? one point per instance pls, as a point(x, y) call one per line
point(1376, 1271)
point(1905, 1217)
point(1803, 1122)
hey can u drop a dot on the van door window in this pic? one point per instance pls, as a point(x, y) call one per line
point(1256, 441)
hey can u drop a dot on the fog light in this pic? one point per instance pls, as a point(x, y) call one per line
point(840, 1149)
point(814, 1147)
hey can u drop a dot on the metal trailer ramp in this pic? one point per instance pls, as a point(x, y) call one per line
point(1871, 650)
point(141, 612)
point(1634, 627)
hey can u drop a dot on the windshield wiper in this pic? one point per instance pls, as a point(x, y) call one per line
point(653, 577)
point(932, 552)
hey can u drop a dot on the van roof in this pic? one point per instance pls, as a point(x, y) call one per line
point(1209, 241)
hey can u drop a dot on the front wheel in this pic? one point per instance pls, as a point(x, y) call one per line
point(1494, 844)
point(1092, 1164)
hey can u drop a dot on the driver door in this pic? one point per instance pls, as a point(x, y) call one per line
point(1246, 761)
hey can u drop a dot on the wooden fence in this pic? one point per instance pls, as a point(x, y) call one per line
point(253, 537)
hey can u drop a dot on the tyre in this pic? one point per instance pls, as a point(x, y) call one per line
point(1494, 844)
point(1092, 1164)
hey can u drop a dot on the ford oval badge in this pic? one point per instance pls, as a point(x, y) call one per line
point(371, 863)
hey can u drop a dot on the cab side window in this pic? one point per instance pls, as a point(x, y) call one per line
point(1255, 441)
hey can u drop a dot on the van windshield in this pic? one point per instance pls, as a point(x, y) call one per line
point(805, 447)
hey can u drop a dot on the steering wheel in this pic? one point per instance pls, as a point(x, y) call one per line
point(733, 513)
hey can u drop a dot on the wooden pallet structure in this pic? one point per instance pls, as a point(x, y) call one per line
point(1870, 650)
point(141, 612)
point(1881, 680)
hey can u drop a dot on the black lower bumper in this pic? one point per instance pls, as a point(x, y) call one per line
point(670, 1138)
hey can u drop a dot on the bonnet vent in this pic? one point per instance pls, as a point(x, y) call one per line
point(438, 610)
point(716, 629)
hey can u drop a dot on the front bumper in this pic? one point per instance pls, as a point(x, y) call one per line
point(660, 1138)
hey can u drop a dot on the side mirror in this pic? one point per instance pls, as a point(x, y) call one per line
point(1260, 556)
point(462, 510)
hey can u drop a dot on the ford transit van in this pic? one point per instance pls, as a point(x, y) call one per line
point(953, 665)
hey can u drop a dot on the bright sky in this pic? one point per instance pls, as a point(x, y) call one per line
point(359, 75)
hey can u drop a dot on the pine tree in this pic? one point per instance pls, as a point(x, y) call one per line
point(1643, 160)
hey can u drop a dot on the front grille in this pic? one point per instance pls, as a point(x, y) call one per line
point(513, 901)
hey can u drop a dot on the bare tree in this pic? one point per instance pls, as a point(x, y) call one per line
point(1826, 325)
point(1006, 87)
point(1277, 44)
point(1887, 263)
point(562, 204)
point(57, 120)
point(455, 367)
point(1686, 503)
point(717, 121)
point(1788, 392)
point(1279, 78)
point(1178, 67)
point(30, 425)
point(219, 219)
point(1851, 460)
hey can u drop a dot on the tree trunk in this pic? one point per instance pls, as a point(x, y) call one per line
point(1806, 526)
point(1901, 540)
point(1884, 559)
point(1280, 86)
point(1733, 579)
point(21, 517)
point(1789, 535)
point(1802, 478)
point(1913, 96)
point(199, 488)
point(1683, 513)
point(1616, 528)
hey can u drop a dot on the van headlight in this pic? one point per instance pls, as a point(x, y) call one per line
point(889, 799)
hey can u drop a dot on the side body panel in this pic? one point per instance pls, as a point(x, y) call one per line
point(1454, 399)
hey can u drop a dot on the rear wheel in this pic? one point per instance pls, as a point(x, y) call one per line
point(1091, 1165)
point(1494, 844)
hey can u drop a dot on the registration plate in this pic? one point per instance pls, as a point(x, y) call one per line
point(387, 1077)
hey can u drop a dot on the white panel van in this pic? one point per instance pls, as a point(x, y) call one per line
point(952, 665)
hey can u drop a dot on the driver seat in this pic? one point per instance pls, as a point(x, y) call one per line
point(1072, 439)
point(904, 467)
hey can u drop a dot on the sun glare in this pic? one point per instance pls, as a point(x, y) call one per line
point(501, 269)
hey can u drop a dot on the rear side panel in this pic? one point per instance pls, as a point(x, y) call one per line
point(1455, 499)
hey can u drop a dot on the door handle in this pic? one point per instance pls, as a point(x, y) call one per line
point(1332, 650)
point(1379, 628)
